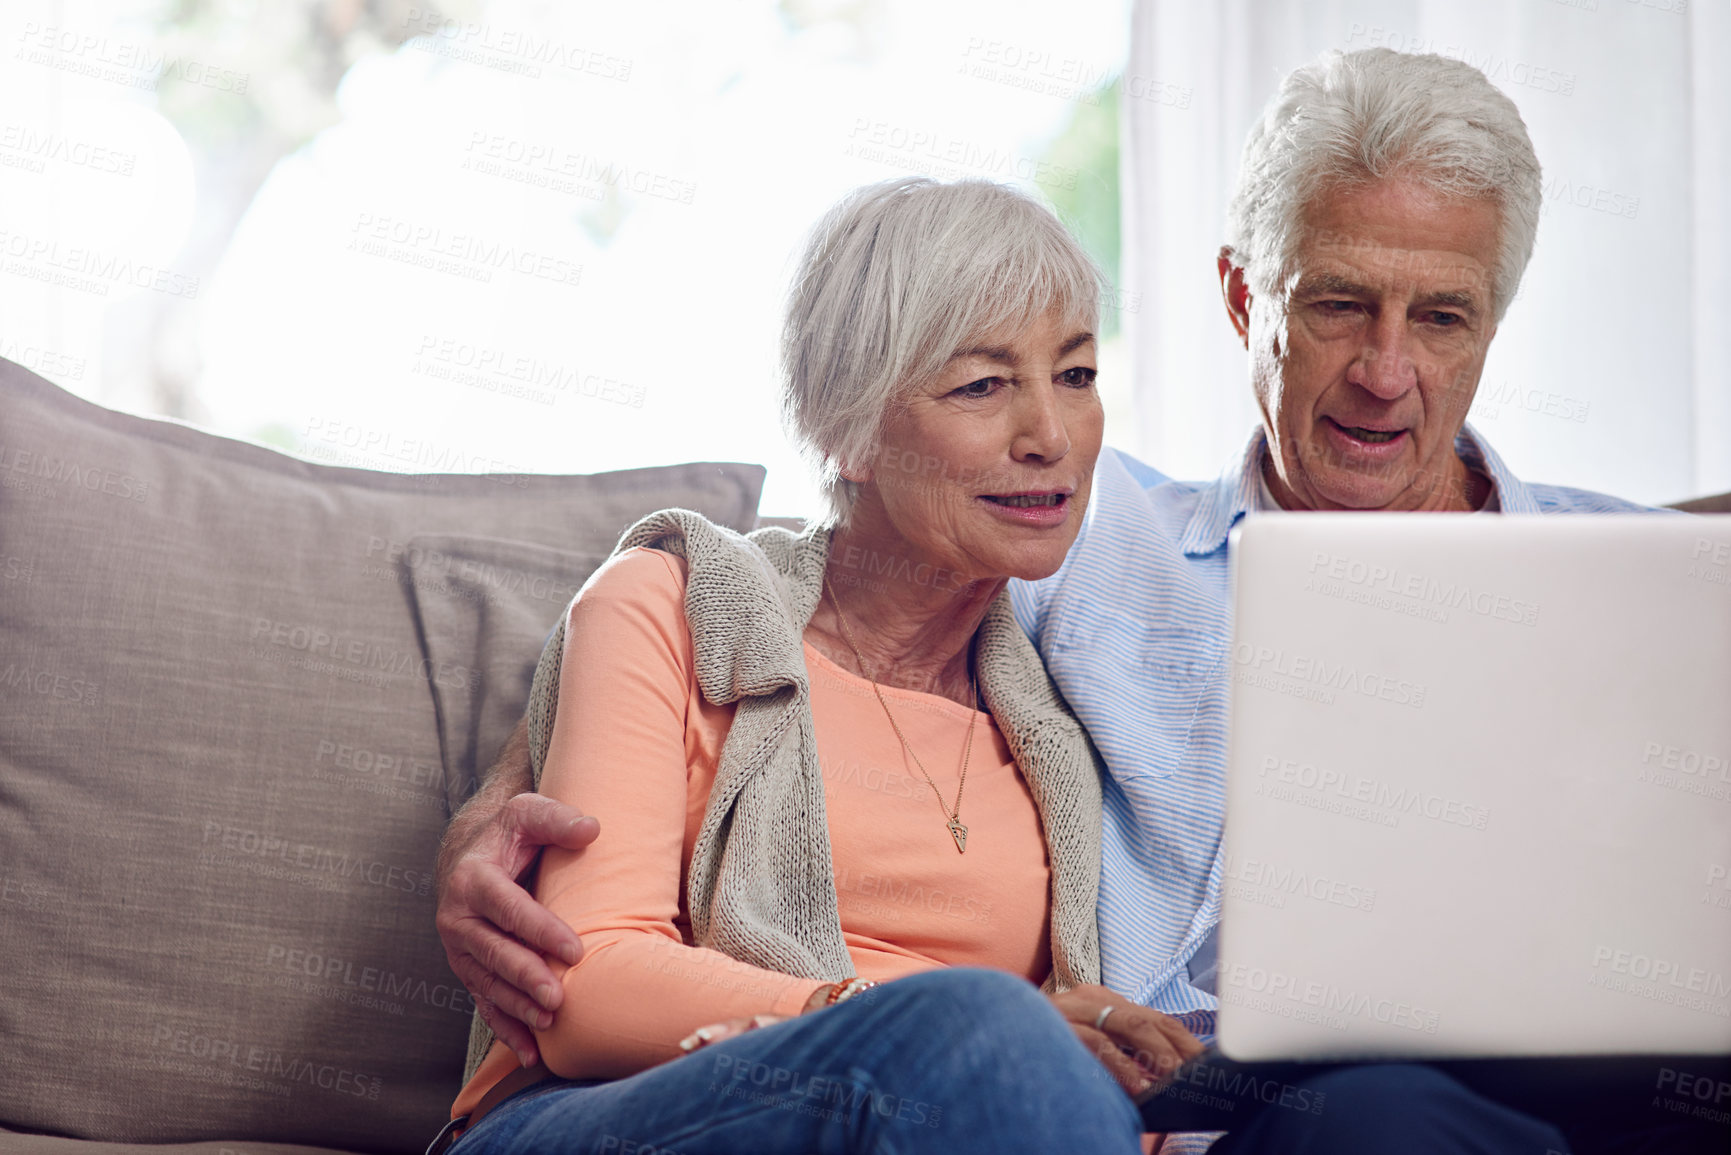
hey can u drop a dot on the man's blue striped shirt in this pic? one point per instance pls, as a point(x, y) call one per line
point(1135, 629)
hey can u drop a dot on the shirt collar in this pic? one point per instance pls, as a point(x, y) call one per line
point(1224, 502)
point(1512, 494)
point(1235, 494)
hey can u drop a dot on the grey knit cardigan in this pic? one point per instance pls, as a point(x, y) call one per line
point(761, 887)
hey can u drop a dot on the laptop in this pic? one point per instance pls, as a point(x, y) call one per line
point(1478, 813)
point(1478, 788)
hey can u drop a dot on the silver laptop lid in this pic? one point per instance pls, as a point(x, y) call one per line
point(1478, 788)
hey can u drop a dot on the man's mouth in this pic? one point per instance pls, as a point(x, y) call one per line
point(1372, 436)
point(1026, 500)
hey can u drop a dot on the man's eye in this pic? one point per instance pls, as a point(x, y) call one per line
point(1447, 320)
point(1081, 377)
point(1338, 306)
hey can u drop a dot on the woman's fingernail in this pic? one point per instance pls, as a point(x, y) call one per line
point(688, 1042)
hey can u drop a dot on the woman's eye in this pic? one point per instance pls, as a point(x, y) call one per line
point(984, 387)
point(1080, 377)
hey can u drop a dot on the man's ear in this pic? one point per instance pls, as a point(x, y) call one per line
point(1236, 292)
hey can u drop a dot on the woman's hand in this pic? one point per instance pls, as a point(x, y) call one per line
point(720, 1032)
point(716, 1032)
point(1141, 1048)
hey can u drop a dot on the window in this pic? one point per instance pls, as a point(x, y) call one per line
point(499, 236)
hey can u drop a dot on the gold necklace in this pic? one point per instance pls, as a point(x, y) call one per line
point(953, 814)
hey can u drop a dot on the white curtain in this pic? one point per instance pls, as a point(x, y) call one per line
point(1612, 370)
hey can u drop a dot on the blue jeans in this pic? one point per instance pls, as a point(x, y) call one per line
point(951, 1061)
point(1587, 1106)
point(1382, 1109)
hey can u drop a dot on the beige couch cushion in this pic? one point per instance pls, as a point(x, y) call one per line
point(239, 696)
point(16, 1144)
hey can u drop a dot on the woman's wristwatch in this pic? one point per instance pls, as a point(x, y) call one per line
point(843, 991)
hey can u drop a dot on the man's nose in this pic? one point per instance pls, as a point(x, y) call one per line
point(1386, 368)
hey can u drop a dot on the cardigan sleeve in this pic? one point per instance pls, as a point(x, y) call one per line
point(628, 726)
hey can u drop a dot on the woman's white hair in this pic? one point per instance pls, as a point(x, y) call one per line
point(895, 280)
point(1354, 118)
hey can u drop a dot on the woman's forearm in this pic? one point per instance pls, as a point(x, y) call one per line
point(637, 993)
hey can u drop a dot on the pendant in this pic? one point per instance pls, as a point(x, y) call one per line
point(960, 834)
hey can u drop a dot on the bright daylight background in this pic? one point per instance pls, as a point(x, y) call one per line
point(461, 234)
point(508, 235)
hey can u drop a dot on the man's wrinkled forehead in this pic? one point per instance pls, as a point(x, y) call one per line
point(1398, 235)
point(1336, 259)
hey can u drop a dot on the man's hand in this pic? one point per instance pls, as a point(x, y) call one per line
point(1142, 1048)
point(495, 933)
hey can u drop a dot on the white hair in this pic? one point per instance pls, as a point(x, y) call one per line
point(1354, 118)
point(897, 279)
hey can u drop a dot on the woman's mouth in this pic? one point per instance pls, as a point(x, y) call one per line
point(1026, 500)
point(1039, 510)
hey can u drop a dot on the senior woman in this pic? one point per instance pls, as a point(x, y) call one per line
point(844, 900)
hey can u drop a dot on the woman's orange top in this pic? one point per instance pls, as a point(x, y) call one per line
point(636, 744)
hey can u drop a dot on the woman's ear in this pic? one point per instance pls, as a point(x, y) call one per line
point(855, 471)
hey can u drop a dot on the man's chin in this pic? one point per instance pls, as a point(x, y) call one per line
point(1346, 491)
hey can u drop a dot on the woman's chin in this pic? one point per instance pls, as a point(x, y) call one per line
point(1042, 565)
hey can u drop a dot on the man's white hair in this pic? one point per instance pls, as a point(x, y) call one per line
point(897, 279)
point(1354, 118)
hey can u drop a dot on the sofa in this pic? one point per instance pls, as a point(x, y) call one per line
point(241, 694)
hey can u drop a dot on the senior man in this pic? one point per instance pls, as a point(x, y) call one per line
point(1385, 211)
point(1386, 208)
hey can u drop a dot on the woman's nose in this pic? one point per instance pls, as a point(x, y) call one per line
point(1040, 429)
